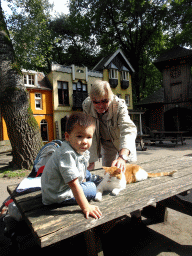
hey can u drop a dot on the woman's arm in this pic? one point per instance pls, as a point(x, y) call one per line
point(128, 133)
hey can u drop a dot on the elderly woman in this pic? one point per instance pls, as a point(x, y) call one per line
point(115, 134)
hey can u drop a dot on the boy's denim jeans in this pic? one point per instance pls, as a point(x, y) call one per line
point(89, 189)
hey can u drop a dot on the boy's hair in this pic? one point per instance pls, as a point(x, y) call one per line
point(79, 118)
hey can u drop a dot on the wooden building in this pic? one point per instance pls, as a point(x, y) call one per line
point(170, 108)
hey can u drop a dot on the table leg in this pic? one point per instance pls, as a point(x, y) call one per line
point(161, 212)
point(181, 139)
point(143, 145)
point(93, 243)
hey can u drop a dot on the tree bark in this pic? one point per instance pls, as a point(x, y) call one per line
point(22, 128)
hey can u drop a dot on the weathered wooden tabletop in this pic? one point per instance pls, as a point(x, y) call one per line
point(53, 224)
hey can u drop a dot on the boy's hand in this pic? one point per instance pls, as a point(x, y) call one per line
point(92, 211)
point(88, 209)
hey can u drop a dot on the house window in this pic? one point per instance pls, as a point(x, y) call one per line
point(125, 75)
point(63, 93)
point(113, 74)
point(38, 101)
point(127, 99)
point(44, 130)
point(79, 87)
point(79, 94)
point(113, 71)
point(29, 80)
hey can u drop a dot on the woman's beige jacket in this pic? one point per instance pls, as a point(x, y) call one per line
point(121, 128)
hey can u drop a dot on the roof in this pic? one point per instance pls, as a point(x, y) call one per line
point(156, 97)
point(105, 61)
point(172, 54)
point(42, 82)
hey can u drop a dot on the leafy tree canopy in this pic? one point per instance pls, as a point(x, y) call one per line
point(143, 29)
point(30, 33)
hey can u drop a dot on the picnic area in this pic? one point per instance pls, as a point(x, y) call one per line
point(51, 228)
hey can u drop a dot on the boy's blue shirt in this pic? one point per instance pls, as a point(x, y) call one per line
point(64, 166)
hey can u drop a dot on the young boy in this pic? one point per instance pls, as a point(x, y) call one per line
point(63, 179)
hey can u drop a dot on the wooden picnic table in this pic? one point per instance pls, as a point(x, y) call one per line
point(174, 136)
point(140, 140)
point(51, 224)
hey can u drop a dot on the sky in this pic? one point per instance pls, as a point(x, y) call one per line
point(60, 6)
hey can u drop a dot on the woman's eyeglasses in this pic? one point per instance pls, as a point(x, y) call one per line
point(101, 101)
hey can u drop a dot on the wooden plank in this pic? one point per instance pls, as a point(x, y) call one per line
point(113, 208)
point(131, 186)
point(51, 225)
point(27, 206)
point(26, 202)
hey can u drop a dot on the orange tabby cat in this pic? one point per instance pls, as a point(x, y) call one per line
point(115, 179)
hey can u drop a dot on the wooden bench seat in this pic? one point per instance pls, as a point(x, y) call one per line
point(51, 224)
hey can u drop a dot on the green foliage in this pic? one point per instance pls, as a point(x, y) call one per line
point(16, 67)
point(29, 30)
point(11, 173)
point(143, 29)
point(180, 22)
point(134, 26)
point(73, 41)
point(31, 119)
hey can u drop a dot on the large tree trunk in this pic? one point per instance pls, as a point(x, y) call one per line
point(23, 130)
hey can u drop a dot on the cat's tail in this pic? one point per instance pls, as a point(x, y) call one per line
point(159, 174)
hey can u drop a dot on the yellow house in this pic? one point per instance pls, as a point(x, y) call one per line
point(117, 70)
point(65, 88)
point(71, 85)
point(40, 97)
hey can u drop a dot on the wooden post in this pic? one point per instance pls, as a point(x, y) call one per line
point(161, 212)
point(93, 243)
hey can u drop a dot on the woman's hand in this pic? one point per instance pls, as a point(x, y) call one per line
point(120, 163)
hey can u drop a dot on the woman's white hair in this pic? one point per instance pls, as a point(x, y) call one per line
point(101, 89)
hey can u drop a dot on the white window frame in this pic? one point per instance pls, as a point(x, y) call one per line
point(64, 86)
point(79, 87)
point(29, 79)
point(113, 74)
point(127, 99)
point(38, 101)
point(125, 75)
